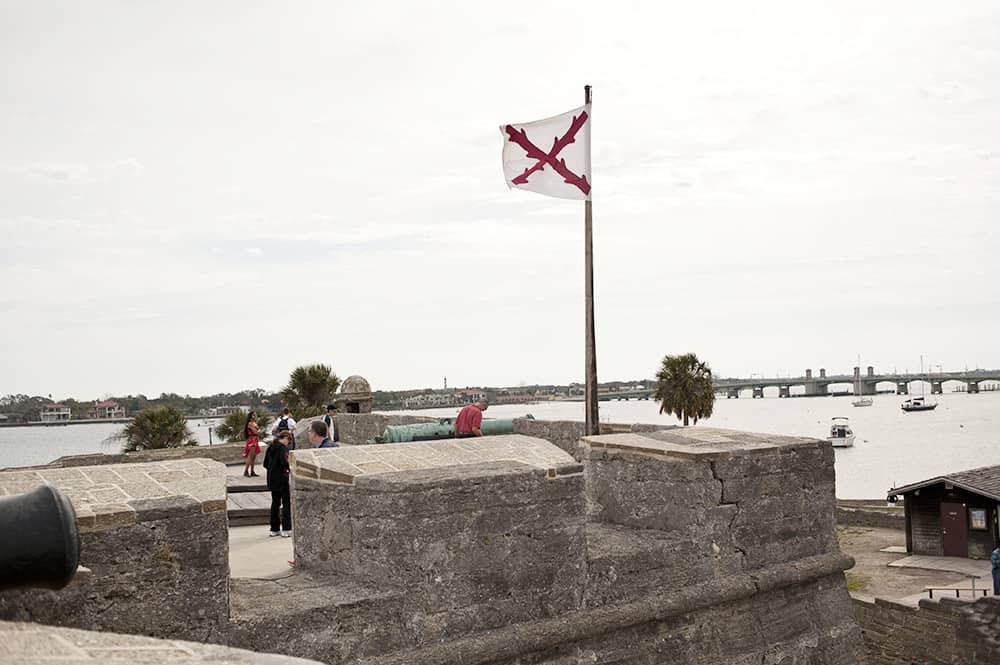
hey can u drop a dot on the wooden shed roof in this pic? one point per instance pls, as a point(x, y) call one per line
point(984, 481)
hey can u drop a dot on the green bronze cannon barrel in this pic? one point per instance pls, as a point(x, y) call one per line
point(493, 426)
point(443, 429)
point(417, 432)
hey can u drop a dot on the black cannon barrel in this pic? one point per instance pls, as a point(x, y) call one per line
point(40, 546)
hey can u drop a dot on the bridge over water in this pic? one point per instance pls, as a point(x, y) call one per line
point(820, 385)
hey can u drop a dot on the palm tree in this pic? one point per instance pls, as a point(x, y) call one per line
point(159, 427)
point(310, 388)
point(684, 387)
point(231, 429)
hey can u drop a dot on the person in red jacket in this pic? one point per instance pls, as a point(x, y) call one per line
point(470, 420)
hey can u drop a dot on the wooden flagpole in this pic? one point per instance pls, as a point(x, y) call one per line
point(592, 425)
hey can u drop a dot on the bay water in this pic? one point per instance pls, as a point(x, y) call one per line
point(26, 446)
point(892, 448)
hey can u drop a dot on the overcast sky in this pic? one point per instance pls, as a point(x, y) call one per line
point(198, 196)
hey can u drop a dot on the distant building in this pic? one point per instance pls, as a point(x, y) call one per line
point(226, 410)
point(106, 409)
point(430, 400)
point(954, 514)
point(52, 413)
point(471, 396)
point(506, 397)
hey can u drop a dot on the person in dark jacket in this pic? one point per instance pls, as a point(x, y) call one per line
point(276, 463)
point(995, 565)
point(319, 436)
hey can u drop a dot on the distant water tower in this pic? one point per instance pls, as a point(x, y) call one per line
point(446, 383)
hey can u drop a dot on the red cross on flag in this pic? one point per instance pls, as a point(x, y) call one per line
point(550, 156)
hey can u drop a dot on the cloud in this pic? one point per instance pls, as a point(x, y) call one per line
point(254, 251)
point(73, 174)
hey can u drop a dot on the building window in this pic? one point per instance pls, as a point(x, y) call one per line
point(977, 519)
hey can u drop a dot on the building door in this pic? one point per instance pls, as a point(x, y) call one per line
point(954, 529)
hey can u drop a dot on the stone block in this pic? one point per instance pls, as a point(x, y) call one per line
point(564, 434)
point(33, 644)
point(481, 544)
point(158, 557)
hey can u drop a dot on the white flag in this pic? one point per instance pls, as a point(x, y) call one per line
point(550, 156)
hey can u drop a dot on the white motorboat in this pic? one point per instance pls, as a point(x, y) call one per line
point(917, 404)
point(841, 434)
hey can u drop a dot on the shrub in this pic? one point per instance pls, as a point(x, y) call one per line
point(231, 429)
point(159, 427)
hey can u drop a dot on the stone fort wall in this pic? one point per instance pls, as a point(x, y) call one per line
point(680, 546)
point(690, 545)
point(944, 630)
point(154, 541)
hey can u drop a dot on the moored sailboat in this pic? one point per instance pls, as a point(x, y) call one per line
point(918, 403)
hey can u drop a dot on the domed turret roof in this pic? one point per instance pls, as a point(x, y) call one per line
point(355, 384)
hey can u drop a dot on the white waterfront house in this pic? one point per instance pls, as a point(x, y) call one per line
point(107, 409)
point(52, 413)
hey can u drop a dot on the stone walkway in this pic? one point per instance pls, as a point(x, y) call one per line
point(255, 554)
point(247, 500)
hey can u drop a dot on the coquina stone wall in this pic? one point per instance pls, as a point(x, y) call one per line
point(355, 429)
point(154, 538)
point(227, 453)
point(943, 631)
point(861, 513)
point(566, 434)
point(689, 546)
point(682, 546)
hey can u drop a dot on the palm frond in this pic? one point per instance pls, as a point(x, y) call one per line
point(310, 387)
point(159, 427)
point(684, 387)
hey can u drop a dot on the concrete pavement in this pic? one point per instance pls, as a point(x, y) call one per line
point(977, 572)
point(252, 553)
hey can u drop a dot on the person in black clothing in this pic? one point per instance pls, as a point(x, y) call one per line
point(276, 463)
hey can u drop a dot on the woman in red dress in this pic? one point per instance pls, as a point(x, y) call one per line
point(252, 433)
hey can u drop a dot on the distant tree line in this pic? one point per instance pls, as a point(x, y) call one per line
point(27, 408)
point(396, 399)
point(307, 392)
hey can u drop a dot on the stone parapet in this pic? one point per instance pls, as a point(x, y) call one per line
point(154, 537)
point(358, 428)
point(227, 453)
point(942, 630)
point(747, 499)
point(507, 550)
point(347, 464)
point(857, 513)
point(565, 434)
point(480, 532)
point(34, 644)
